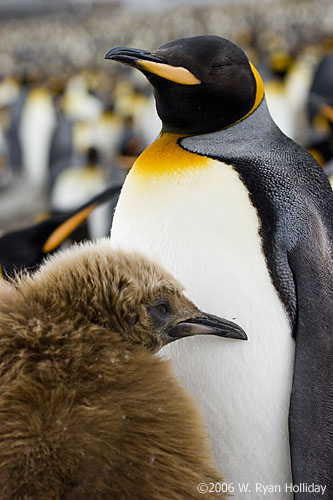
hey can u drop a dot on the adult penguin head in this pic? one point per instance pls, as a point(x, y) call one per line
point(201, 84)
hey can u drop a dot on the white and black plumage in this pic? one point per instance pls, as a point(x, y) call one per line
point(223, 194)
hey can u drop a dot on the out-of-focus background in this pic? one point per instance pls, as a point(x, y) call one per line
point(72, 123)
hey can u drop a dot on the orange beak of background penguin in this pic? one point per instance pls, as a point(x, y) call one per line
point(146, 61)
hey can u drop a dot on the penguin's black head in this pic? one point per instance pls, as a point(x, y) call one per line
point(201, 84)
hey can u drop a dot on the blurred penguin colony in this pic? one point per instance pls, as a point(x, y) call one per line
point(71, 124)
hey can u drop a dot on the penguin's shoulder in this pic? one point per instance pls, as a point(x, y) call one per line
point(291, 194)
point(265, 157)
point(284, 181)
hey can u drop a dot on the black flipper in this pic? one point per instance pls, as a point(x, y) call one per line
point(26, 248)
point(311, 407)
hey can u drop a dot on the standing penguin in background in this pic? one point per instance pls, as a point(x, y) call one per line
point(224, 194)
point(37, 125)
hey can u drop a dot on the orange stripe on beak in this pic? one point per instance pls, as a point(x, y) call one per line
point(176, 74)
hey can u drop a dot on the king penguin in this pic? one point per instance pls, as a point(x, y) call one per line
point(224, 194)
point(26, 248)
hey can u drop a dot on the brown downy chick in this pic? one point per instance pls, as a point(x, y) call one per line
point(87, 411)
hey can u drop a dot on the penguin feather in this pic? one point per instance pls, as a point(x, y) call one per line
point(87, 410)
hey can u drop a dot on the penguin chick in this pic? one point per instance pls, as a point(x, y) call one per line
point(87, 411)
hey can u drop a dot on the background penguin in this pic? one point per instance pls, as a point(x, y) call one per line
point(36, 128)
point(280, 63)
point(61, 148)
point(86, 409)
point(26, 248)
point(298, 82)
point(223, 194)
point(320, 93)
point(320, 112)
point(76, 185)
point(13, 137)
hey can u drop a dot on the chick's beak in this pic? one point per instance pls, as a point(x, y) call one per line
point(207, 324)
point(147, 62)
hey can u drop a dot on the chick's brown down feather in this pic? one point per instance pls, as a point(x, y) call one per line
point(87, 410)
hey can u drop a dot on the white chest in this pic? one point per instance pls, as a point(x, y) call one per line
point(203, 228)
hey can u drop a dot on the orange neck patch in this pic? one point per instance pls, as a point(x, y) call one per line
point(166, 157)
point(260, 92)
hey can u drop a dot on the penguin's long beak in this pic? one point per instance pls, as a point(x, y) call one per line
point(207, 324)
point(145, 61)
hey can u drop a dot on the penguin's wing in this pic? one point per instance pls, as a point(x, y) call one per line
point(26, 248)
point(311, 407)
point(69, 222)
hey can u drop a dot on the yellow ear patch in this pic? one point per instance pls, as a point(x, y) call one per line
point(176, 74)
point(66, 228)
point(260, 92)
point(317, 156)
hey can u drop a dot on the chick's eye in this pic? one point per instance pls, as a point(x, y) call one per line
point(162, 308)
point(159, 312)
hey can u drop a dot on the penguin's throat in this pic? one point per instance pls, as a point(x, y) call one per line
point(166, 157)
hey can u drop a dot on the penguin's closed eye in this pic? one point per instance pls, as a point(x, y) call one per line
point(221, 64)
